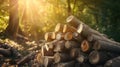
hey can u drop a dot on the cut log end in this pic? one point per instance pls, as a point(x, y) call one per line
point(94, 57)
point(69, 18)
point(96, 45)
point(68, 36)
point(68, 28)
point(59, 28)
point(80, 58)
point(57, 58)
point(72, 20)
point(80, 28)
point(50, 36)
point(74, 52)
point(85, 46)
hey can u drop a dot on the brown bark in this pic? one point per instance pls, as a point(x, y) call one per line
point(46, 51)
point(65, 64)
point(107, 46)
point(50, 36)
point(100, 57)
point(81, 59)
point(61, 57)
point(68, 36)
point(60, 47)
point(75, 52)
point(115, 62)
point(59, 28)
point(86, 31)
point(86, 46)
point(5, 52)
point(52, 44)
point(78, 37)
point(68, 28)
point(13, 24)
point(69, 8)
point(48, 61)
point(26, 58)
point(71, 44)
point(60, 36)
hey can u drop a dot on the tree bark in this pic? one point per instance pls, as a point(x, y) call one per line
point(68, 36)
point(60, 47)
point(48, 61)
point(65, 64)
point(59, 28)
point(100, 57)
point(61, 57)
point(5, 52)
point(26, 58)
point(115, 62)
point(86, 31)
point(50, 36)
point(107, 46)
point(86, 46)
point(13, 24)
point(68, 28)
point(69, 8)
point(72, 44)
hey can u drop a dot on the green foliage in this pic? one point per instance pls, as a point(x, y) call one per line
point(40, 16)
point(3, 14)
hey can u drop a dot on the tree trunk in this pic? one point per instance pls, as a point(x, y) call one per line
point(115, 62)
point(65, 64)
point(72, 44)
point(100, 57)
point(5, 52)
point(61, 57)
point(107, 46)
point(13, 24)
point(69, 8)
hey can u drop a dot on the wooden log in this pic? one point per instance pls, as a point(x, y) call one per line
point(48, 61)
point(65, 64)
point(26, 58)
point(107, 46)
point(93, 38)
point(60, 47)
point(52, 44)
point(59, 27)
point(100, 57)
point(71, 44)
point(86, 46)
point(68, 28)
point(68, 36)
point(60, 36)
point(46, 51)
point(86, 31)
point(40, 59)
point(78, 37)
point(5, 52)
point(83, 65)
point(74, 53)
point(78, 55)
point(50, 36)
point(115, 62)
point(82, 58)
point(61, 57)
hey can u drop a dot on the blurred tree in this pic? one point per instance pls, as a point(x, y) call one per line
point(39, 16)
point(13, 24)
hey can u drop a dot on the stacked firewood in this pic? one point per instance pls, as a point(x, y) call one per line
point(75, 44)
point(8, 55)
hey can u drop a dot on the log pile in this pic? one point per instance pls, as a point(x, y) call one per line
point(75, 44)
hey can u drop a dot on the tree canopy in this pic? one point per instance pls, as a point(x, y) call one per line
point(39, 16)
